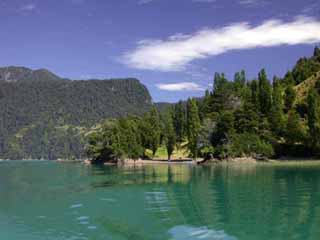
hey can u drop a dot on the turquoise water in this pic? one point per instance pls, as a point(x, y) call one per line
point(47, 200)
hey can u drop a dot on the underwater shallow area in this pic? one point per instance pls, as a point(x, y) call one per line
point(48, 200)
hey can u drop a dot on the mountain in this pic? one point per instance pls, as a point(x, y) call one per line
point(15, 74)
point(163, 107)
point(45, 116)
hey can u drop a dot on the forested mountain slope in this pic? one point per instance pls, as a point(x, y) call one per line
point(44, 116)
point(257, 118)
point(304, 87)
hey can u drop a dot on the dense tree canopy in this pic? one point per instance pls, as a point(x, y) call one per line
point(256, 118)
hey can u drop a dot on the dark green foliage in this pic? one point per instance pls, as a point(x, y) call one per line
point(104, 144)
point(248, 144)
point(306, 67)
point(179, 121)
point(254, 94)
point(41, 115)
point(115, 140)
point(193, 126)
point(130, 144)
point(224, 128)
point(246, 119)
point(263, 117)
point(240, 82)
point(276, 115)
point(288, 79)
point(169, 135)
point(223, 97)
point(205, 105)
point(294, 131)
point(313, 119)
point(316, 52)
point(205, 138)
point(151, 130)
point(264, 93)
point(290, 96)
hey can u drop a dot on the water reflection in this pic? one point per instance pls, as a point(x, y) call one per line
point(229, 202)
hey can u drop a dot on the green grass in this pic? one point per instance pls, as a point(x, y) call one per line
point(181, 153)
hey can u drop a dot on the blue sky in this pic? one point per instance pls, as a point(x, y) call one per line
point(173, 46)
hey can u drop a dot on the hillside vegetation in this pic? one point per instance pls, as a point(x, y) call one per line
point(44, 116)
point(304, 87)
point(258, 118)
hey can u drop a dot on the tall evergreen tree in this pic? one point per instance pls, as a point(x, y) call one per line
point(150, 129)
point(313, 118)
point(130, 141)
point(205, 106)
point(294, 132)
point(316, 52)
point(222, 92)
point(264, 93)
point(169, 135)
point(155, 130)
point(224, 128)
point(289, 98)
point(239, 82)
point(288, 78)
point(254, 94)
point(276, 116)
point(193, 126)
point(179, 121)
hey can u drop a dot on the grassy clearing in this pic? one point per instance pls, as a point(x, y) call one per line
point(181, 153)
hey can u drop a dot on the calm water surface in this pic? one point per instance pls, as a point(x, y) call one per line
point(46, 200)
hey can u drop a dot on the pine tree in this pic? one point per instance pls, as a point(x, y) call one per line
point(239, 82)
point(150, 130)
point(179, 121)
point(130, 141)
point(246, 117)
point(276, 116)
point(316, 52)
point(156, 130)
point(264, 93)
point(290, 96)
point(254, 94)
point(294, 132)
point(205, 107)
point(222, 90)
point(313, 118)
point(288, 78)
point(193, 126)
point(169, 135)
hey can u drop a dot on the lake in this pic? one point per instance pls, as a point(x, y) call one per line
point(48, 200)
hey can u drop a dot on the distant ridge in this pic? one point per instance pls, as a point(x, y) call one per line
point(45, 116)
point(14, 74)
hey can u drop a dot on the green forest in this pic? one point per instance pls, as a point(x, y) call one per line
point(267, 117)
point(43, 116)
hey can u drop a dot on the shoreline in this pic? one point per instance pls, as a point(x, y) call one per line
point(231, 161)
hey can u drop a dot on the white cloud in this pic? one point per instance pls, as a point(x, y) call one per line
point(250, 2)
point(28, 7)
point(176, 52)
point(204, 1)
point(145, 1)
point(182, 86)
point(198, 1)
